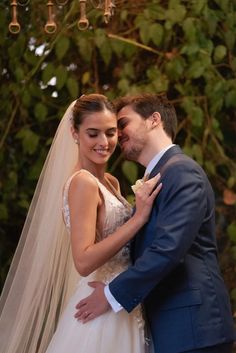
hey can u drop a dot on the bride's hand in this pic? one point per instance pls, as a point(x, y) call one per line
point(145, 195)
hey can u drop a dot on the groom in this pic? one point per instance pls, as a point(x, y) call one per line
point(175, 273)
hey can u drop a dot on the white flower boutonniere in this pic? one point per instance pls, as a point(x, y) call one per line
point(137, 185)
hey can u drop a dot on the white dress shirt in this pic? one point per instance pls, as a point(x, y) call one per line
point(111, 300)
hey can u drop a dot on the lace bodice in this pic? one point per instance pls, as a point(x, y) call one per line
point(117, 212)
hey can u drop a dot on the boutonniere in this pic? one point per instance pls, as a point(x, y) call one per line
point(137, 185)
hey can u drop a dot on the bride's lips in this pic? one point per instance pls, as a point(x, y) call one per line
point(102, 152)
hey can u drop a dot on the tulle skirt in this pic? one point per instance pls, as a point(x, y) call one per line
point(111, 332)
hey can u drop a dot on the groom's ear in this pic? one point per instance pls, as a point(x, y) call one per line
point(155, 119)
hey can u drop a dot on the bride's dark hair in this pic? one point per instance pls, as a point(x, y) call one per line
point(89, 104)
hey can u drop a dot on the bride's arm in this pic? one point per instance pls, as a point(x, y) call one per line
point(84, 201)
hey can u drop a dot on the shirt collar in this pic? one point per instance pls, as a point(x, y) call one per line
point(156, 159)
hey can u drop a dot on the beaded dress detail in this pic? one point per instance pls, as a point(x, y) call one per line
point(111, 332)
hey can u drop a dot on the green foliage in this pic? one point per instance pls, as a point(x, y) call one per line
point(232, 232)
point(186, 48)
point(130, 170)
point(61, 47)
point(29, 140)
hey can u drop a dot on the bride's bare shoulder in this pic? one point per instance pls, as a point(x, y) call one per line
point(84, 182)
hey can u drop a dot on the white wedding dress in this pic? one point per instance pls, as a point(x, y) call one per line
point(111, 332)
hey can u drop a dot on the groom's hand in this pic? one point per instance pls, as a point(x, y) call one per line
point(94, 305)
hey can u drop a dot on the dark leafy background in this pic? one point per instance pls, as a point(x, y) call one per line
point(186, 48)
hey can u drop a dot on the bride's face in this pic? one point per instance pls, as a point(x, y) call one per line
point(97, 137)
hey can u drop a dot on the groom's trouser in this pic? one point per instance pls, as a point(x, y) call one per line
point(222, 348)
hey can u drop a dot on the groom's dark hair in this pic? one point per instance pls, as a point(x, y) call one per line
point(146, 104)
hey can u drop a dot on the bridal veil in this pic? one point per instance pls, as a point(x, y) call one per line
point(42, 273)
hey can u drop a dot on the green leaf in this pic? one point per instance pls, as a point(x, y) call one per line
point(176, 13)
point(26, 98)
point(156, 33)
point(231, 182)
point(48, 73)
point(85, 49)
point(29, 140)
point(86, 78)
point(190, 49)
point(198, 6)
point(216, 128)
point(196, 70)
point(62, 46)
point(153, 73)
point(100, 37)
point(13, 177)
point(161, 84)
point(31, 58)
point(197, 153)
point(61, 75)
point(19, 74)
point(130, 51)
point(144, 32)
point(17, 48)
point(231, 231)
point(189, 27)
point(73, 87)
point(233, 291)
point(230, 39)
point(23, 204)
point(3, 212)
point(128, 70)
point(117, 46)
point(106, 52)
point(131, 199)
point(210, 168)
point(188, 105)
point(123, 85)
point(188, 150)
point(219, 53)
point(130, 171)
point(211, 20)
point(40, 111)
point(233, 64)
point(197, 116)
point(230, 99)
point(37, 166)
point(175, 68)
point(123, 15)
point(34, 90)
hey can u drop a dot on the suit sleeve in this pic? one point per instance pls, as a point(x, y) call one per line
point(176, 217)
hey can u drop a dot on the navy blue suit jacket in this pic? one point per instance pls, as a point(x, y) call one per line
point(175, 273)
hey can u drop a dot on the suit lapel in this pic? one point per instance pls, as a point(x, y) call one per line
point(171, 152)
point(169, 156)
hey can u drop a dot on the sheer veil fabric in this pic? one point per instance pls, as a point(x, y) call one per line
point(42, 274)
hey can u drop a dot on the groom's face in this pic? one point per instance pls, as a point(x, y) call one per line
point(132, 133)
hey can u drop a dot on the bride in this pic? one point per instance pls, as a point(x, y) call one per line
point(58, 256)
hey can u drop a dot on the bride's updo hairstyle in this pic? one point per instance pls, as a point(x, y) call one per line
point(89, 104)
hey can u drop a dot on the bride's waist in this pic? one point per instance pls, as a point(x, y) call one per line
point(113, 267)
point(107, 272)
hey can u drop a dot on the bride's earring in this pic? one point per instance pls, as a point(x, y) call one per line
point(77, 142)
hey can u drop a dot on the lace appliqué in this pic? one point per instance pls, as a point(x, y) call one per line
point(66, 213)
point(117, 209)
